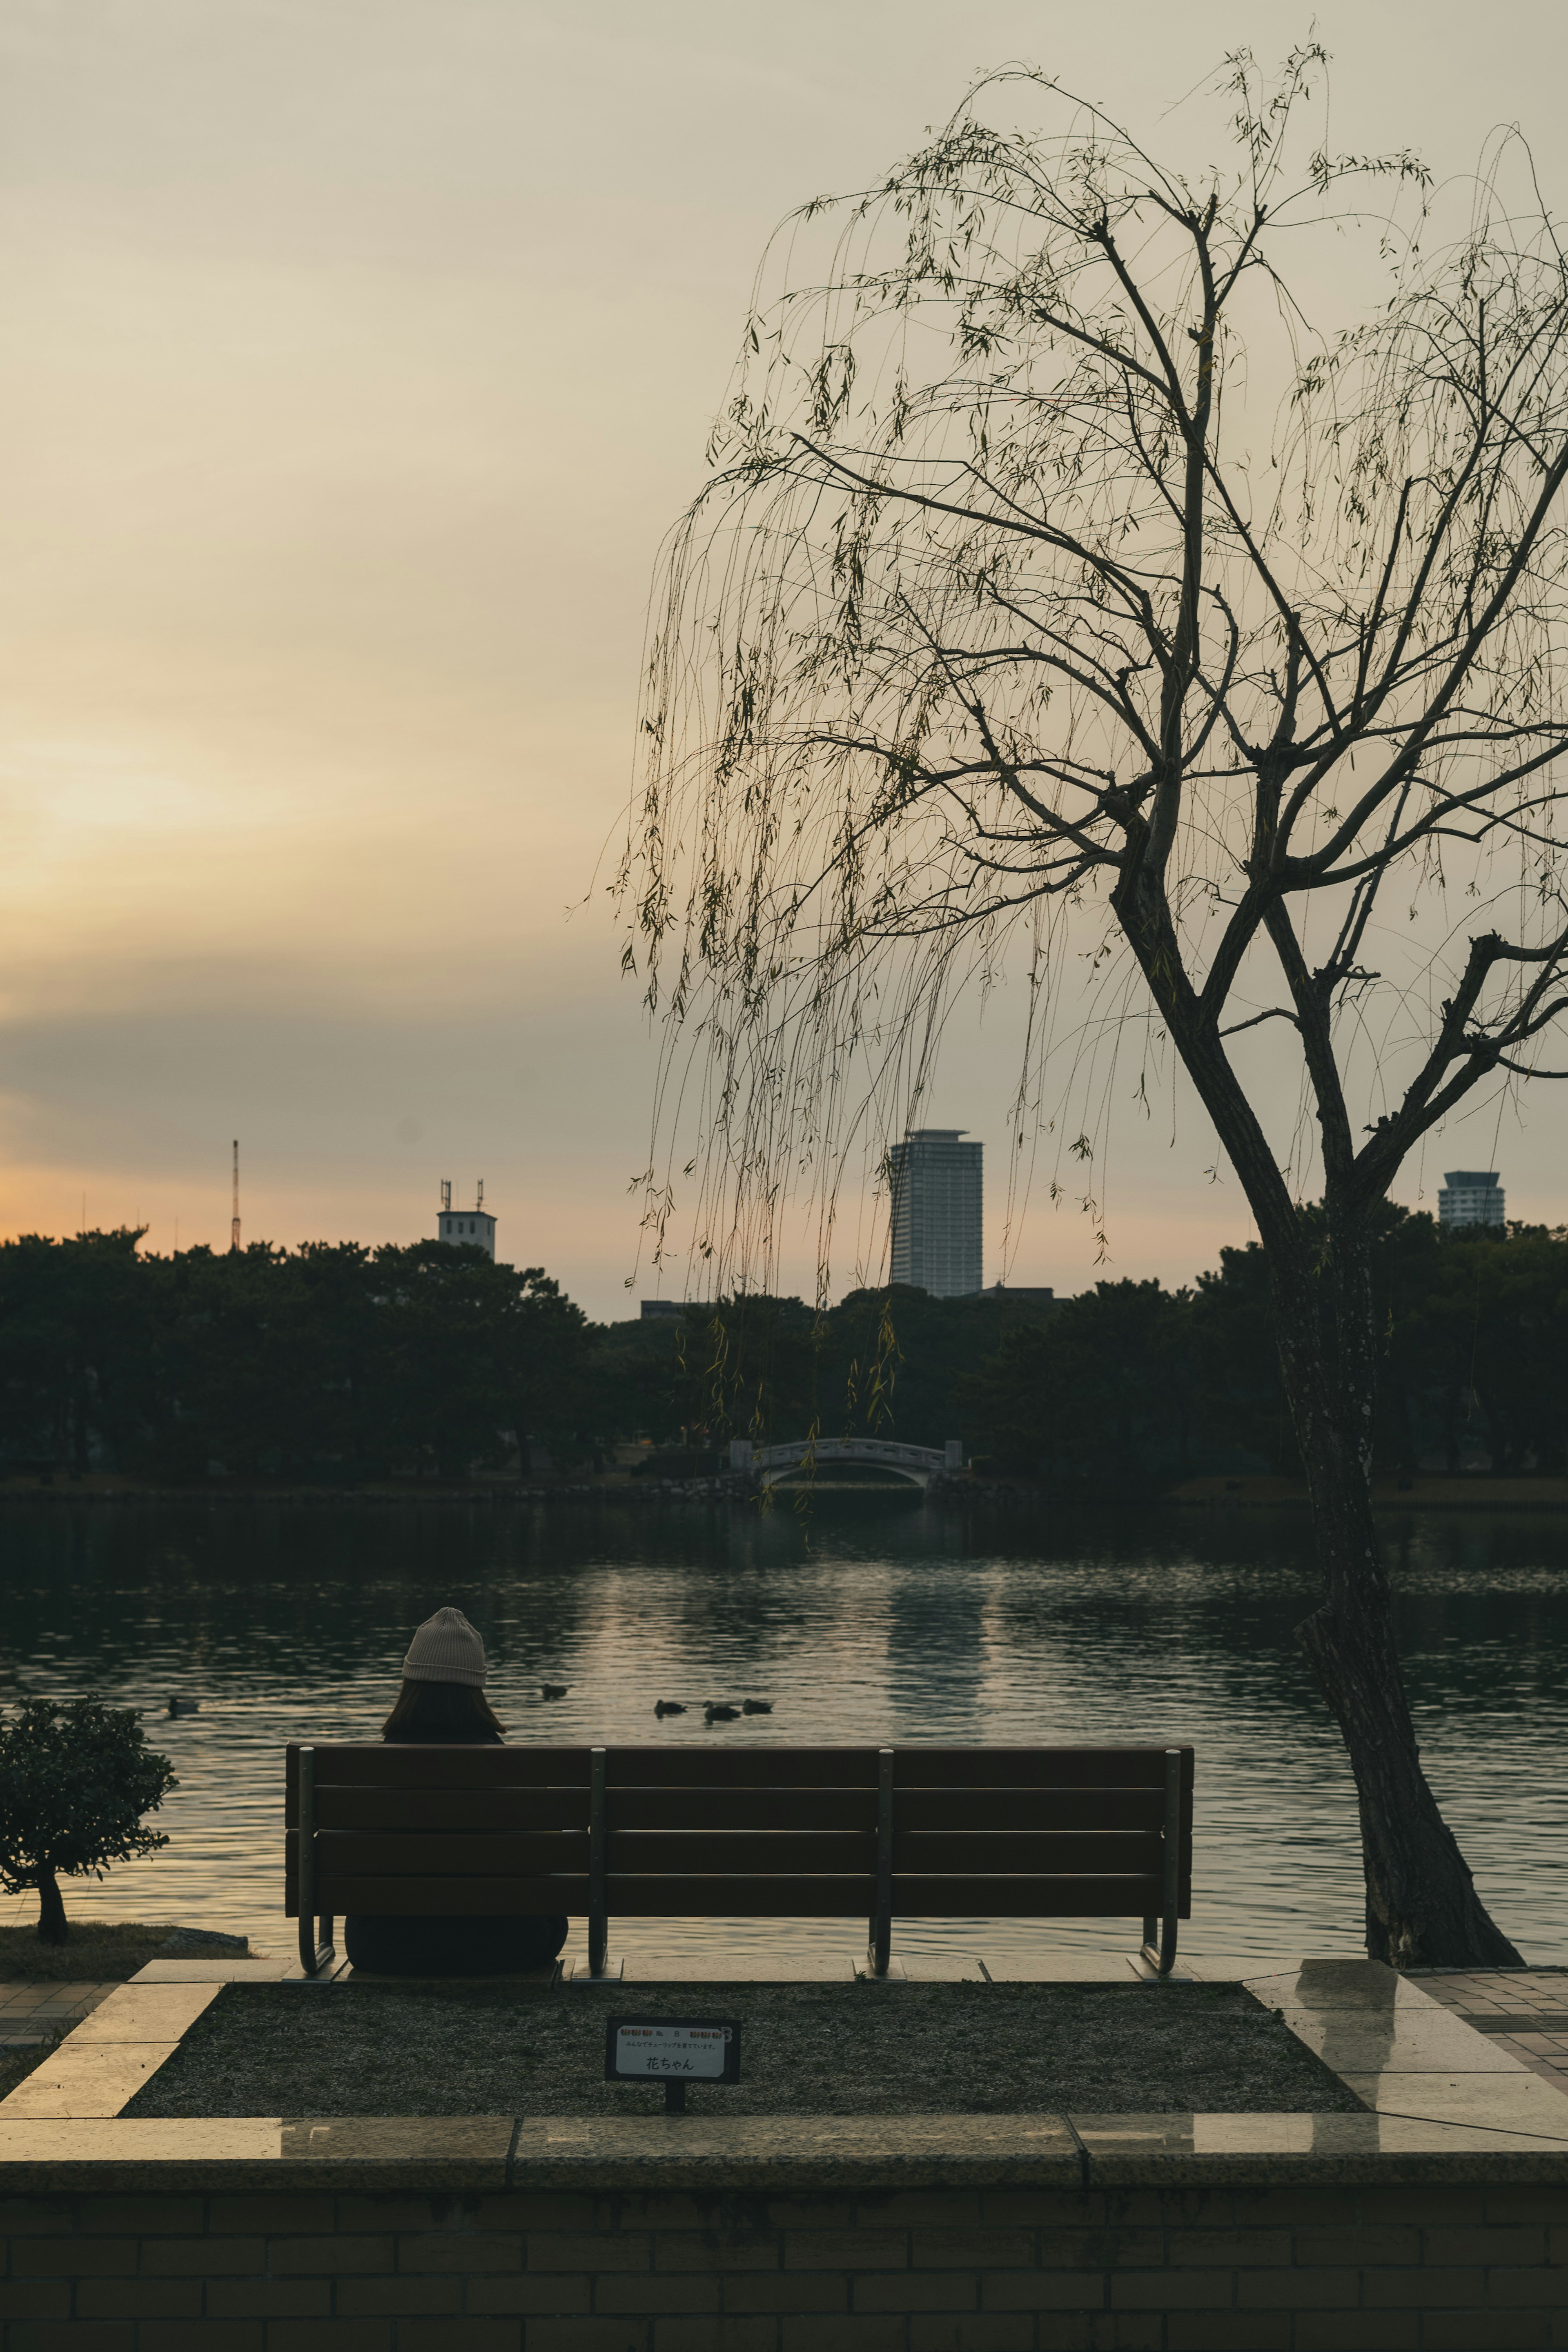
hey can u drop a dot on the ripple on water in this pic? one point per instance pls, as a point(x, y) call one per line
point(860, 1624)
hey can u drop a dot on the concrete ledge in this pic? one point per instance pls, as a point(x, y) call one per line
point(1308, 2152)
point(435, 2155)
point(812, 2153)
point(817, 2155)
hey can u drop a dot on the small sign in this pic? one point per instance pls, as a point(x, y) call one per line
point(673, 2051)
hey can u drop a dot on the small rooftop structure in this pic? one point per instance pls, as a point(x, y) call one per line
point(661, 1311)
point(472, 1228)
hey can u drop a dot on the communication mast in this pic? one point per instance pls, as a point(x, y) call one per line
point(234, 1229)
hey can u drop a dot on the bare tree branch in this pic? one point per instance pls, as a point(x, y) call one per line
point(1006, 610)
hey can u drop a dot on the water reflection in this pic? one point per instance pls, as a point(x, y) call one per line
point(860, 1623)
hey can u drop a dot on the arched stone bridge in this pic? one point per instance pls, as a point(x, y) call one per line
point(919, 1465)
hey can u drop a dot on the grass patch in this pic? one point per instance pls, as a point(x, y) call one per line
point(100, 1952)
point(362, 2050)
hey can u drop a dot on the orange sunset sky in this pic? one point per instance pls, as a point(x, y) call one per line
point(358, 353)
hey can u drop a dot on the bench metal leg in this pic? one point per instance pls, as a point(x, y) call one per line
point(1164, 1958)
point(600, 1968)
point(598, 1919)
point(879, 1943)
point(314, 1955)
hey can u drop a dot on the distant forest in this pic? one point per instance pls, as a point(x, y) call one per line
point(339, 1364)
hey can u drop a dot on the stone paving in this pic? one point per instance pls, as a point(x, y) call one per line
point(30, 2014)
point(1525, 2010)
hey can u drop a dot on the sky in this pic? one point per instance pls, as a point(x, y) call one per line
point(357, 354)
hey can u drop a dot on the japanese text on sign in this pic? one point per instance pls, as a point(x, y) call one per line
point(697, 2051)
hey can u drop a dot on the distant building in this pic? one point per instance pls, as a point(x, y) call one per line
point(1468, 1198)
point(936, 1200)
point(472, 1228)
point(662, 1310)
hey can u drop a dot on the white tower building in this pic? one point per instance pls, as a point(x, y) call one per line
point(1470, 1196)
point(472, 1228)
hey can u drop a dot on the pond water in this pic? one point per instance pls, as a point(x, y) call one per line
point(868, 1620)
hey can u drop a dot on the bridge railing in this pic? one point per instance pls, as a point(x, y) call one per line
point(742, 1455)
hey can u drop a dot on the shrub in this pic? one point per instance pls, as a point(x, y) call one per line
point(75, 1781)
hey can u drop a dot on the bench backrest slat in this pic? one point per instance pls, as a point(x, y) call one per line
point(693, 1897)
point(734, 1766)
point(978, 1811)
point(342, 1808)
point(709, 1852)
point(401, 1897)
point(420, 1766)
point(765, 1810)
point(1033, 1768)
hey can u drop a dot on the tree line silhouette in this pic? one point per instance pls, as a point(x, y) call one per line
point(337, 1363)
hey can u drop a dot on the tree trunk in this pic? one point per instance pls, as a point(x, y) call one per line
point(1499, 1434)
point(52, 1927)
point(1421, 1910)
point(1451, 1429)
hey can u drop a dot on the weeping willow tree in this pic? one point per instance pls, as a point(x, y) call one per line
point(1056, 581)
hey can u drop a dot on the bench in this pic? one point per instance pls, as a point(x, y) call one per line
point(875, 1834)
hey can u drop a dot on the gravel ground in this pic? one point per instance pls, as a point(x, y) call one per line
point(281, 2050)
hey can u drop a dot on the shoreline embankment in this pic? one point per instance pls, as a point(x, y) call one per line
point(1474, 1492)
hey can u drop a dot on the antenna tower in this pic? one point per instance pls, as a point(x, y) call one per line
point(234, 1229)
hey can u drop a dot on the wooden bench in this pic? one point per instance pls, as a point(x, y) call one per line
point(876, 1833)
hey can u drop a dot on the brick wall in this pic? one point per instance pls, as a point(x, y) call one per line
point(1434, 2270)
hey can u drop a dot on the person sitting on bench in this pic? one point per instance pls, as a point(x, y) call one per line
point(442, 1704)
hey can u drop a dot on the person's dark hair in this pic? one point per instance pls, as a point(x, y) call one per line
point(443, 1714)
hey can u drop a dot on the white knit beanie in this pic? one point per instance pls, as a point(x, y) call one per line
point(445, 1649)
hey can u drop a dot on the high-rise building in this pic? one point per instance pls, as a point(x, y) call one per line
point(936, 1199)
point(1470, 1198)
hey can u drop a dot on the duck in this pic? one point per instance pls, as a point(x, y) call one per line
point(184, 1707)
point(669, 1707)
point(721, 1713)
point(756, 1707)
point(553, 1690)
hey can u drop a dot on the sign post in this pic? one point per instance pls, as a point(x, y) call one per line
point(673, 2051)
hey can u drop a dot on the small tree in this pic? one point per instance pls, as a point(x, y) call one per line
point(75, 1781)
